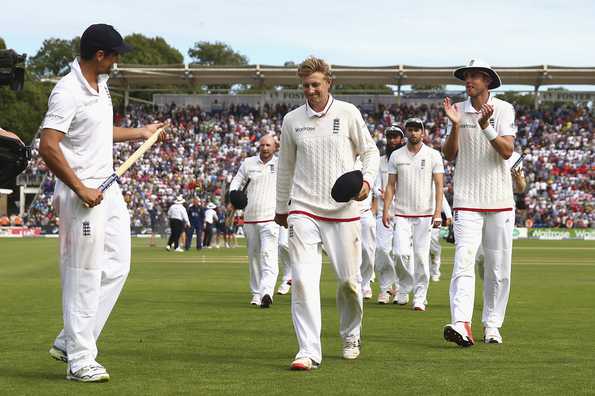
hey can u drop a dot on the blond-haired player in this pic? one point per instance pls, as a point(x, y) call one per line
point(320, 141)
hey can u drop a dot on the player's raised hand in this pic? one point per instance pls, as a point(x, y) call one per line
point(451, 111)
point(486, 112)
point(90, 196)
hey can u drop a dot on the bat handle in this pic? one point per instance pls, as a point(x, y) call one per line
point(106, 184)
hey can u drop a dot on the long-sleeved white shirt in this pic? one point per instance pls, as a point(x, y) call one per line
point(261, 191)
point(178, 211)
point(317, 148)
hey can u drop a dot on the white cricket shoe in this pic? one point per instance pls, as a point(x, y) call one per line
point(367, 293)
point(459, 333)
point(401, 299)
point(168, 248)
point(383, 297)
point(419, 307)
point(351, 349)
point(179, 249)
point(304, 364)
point(255, 300)
point(91, 373)
point(284, 288)
point(492, 335)
point(58, 354)
point(435, 278)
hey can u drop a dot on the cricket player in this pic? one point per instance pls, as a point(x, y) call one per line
point(320, 141)
point(76, 144)
point(415, 175)
point(285, 285)
point(368, 232)
point(481, 139)
point(384, 264)
point(260, 174)
point(435, 248)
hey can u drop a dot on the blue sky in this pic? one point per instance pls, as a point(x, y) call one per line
point(372, 33)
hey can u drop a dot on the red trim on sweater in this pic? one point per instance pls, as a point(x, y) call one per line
point(323, 218)
point(259, 221)
point(484, 210)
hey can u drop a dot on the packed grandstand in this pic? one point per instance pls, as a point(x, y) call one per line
point(205, 149)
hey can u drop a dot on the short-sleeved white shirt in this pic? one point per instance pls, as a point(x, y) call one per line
point(85, 116)
point(415, 182)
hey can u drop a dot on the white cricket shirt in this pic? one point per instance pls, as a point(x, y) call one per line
point(415, 184)
point(85, 116)
point(482, 180)
point(262, 188)
point(178, 211)
point(380, 187)
point(317, 148)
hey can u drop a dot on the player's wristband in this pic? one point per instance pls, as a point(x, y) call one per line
point(490, 133)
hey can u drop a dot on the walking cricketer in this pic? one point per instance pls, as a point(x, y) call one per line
point(481, 139)
point(320, 141)
point(76, 144)
point(415, 175)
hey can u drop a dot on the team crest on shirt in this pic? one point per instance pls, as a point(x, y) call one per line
point(291, 231)
point(86, 228)
point(492, 122)
point(272, 168)
point(336, 125)
point(423, 163)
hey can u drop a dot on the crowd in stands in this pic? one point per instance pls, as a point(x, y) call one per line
point(205, 149)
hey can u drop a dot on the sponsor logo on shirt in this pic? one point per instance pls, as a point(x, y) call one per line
point(304, 129)
point(472, 126)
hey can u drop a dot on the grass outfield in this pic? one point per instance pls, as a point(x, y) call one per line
point(183, 325)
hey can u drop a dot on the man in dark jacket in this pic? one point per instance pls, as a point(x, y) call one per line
point(196, 214)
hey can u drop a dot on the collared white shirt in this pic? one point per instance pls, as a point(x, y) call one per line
point(415, 183)
point(261, 178)
point(313, 113)
point(85, 116)
point(482, 179)
point(211, 216)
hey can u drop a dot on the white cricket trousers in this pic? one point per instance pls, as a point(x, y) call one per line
point(262, 240)
point(368, 232)
point(435, 252)
point(412, 247)
point(94, 264)
point(494, 230)
point(284, 262)
point(342, 242)
point(384, 265)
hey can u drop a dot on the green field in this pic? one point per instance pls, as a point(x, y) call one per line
point(183, 325)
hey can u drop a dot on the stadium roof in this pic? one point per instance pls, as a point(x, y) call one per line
point(134, 76)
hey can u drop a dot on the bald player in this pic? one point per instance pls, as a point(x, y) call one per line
point(259, 173)
point(481, 139)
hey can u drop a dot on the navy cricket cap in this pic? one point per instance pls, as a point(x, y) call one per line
point(103, 37)
point(238, 199)
point(347, 186)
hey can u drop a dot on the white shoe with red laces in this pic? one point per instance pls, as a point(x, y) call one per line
point(304, 364)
